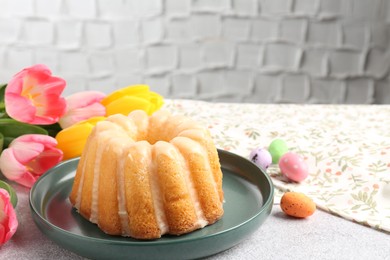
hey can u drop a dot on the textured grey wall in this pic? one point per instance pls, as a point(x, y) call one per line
point(312, 51)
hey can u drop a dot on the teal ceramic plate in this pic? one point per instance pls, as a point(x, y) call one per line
point(248, 202)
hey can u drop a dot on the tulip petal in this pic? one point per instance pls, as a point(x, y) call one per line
point(126, 104)
point(10, 166)
point(27, 179)
point(157, 102)
point(46, 160)
point(52, 85)
point(50, 110)
point(72, 139)
point(35, 92)
point(44, 139)
point(130, 90)
point(11, 191)
point(38, 152)
point(28, 157)
point(9, 222)
point(25, 152)
point(79, 114)
point(37, 70)
point(2, 234)
point(84, 99)
point(20, 108)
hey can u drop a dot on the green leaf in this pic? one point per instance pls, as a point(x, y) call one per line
point(355, 207)
point(1, 142)
point(2, 104)
point(52, 129)
point(360, 195)
point(12, 129)
point(365, 196)
point(11, 192)
point(7, 141)
point(2, 91)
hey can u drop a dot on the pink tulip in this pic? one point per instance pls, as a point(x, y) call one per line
point(8, 220)
point(34, 96)
point(28, 157)
point(81, 106)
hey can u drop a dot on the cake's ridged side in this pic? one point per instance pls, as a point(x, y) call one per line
point(171, 126)
point(126, 124)
point(79, 176)
point(120, 174)
point(104, 136)
point(85, 172)
point(203, 182)
point(182, 123)
point(156, 127)
point(95, 183)
point(85, 195)
point(141, 121)
point(130, 132)
point(107, 211)
point(178, 206)
point(139, 200)
point(80, 173)
point(187, 173)
point(157, 196)
point(202, 137)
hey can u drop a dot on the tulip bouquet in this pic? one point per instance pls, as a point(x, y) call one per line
point(39, 128)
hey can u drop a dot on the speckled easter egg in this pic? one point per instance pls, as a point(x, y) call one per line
point(297, 205)
point(277, 149)
point(261, 157)
point(293, 167)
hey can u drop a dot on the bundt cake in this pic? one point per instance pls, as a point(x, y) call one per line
point(143, 177)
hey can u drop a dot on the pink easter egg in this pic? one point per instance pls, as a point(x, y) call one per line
point(293, 167)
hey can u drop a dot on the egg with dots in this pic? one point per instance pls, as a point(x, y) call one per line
point(261, 157)
point(297, 205)
point(293, 167)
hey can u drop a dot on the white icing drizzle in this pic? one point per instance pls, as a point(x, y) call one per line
point(158, 203)
point(101, 147)
point(95, 183)
point(202, 222)
point(122, 212)
point(80, 188)
point(215, 185)
point(194, 135)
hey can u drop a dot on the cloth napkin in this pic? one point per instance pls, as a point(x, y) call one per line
point(347, 149)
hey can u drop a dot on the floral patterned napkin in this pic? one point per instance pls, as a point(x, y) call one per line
point(347, 148)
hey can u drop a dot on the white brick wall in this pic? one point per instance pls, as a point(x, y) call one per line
point(299, 51)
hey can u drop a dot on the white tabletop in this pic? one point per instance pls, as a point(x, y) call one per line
point(321, 236)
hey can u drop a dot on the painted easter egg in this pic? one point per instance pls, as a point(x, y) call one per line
point(297, 205)
point(277, 149)
point(293, 167)
point(261, 157)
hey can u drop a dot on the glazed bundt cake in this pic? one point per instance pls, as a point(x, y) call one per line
point(143, 177)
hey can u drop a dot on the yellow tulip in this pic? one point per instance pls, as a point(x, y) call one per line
point(72, 140)
point(130, 98)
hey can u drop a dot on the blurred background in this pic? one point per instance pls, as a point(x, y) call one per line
point(259, 51)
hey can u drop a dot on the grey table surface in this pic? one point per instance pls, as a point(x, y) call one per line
point(321, 236)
